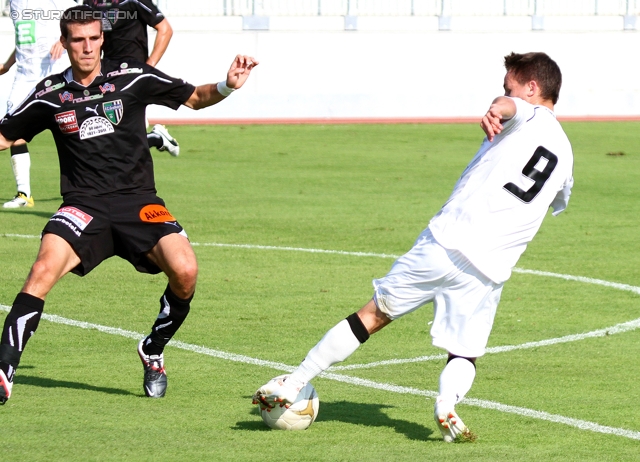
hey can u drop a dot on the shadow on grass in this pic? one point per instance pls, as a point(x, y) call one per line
point(36, 213)
point(370, 415)
point(51, 383)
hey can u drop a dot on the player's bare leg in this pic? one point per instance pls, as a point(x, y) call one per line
point(337, 345)
point(55, 259)
point(173, 255)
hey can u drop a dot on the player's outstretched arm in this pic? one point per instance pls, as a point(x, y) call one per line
point(210, 94)
point(501, 110)
point(163, 37)
point(4, 68)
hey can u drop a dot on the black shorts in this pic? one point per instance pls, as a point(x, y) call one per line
point(127, 226)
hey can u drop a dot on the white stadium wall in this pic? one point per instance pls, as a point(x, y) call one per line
point(392, 67)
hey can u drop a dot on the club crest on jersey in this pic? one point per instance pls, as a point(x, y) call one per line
point(95, 126)
point(67, 122)
point(114, 110)
point(112, 15)
point(66, 96)
point(107, 87)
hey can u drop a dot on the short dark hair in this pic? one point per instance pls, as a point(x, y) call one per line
point(81, 14)
point(539, 67)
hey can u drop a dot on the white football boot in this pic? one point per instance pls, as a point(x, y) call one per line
point(277, 391)
point(450, 425)
point(168, 142)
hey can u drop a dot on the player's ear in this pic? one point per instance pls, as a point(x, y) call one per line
point(63, 40)
point(533, 88)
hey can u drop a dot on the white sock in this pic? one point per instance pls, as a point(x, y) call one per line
point(21, 164)
point(455, 382)
point(336, 345)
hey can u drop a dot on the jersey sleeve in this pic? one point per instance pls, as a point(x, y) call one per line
point(148, 12)
point(561, 200)
point(27, 119)
point(524, 112)
point(158, 88)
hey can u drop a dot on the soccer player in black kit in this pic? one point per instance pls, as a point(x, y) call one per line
point(95, 111)
point(124, 25)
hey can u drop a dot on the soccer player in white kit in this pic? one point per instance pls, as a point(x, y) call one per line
point(462, 259)
point(38, 53)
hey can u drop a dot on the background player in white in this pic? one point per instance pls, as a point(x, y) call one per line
point(38, 53)
point(462, 259)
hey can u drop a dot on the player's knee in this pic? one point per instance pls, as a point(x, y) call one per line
point(188, 273)
point(42, 270)
point(183, 282)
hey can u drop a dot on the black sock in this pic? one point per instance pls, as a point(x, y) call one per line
point(19, 149)
point(173, 311)
point(19, 325)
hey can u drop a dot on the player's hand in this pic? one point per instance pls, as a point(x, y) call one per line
point(56, 50)
point(240, 70)
point(492, 122)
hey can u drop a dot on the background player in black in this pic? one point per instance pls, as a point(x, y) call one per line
point(124, 24)
point(95, 111)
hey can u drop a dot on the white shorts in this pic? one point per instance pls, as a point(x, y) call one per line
point(464, 299)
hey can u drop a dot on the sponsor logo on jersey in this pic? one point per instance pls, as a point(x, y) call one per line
point(114, 110)
point(47, 83)
point(77, 216)
point(73, 218)
point(155, 213)
point(25, 32)
point(67, 122)
point(92, 109)
point(107, 87)
point(133, 70)
point(104, 2)
point(88, 98)
point(49, 89)
point(66, 96)
point(95, 126)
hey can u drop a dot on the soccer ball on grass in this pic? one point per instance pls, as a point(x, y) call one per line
point(299, 416)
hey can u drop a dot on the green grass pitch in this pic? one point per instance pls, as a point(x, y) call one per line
point(353, 188)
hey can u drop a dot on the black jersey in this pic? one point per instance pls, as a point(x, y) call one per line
point(100, 129)
point(124, 23)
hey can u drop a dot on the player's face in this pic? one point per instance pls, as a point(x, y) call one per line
point(83, 44)
point(515, 89)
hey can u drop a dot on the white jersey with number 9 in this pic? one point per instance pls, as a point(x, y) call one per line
point(499, 202)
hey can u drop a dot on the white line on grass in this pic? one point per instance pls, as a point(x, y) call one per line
point(618, 328)
point(580, 424)
point(540, 415)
